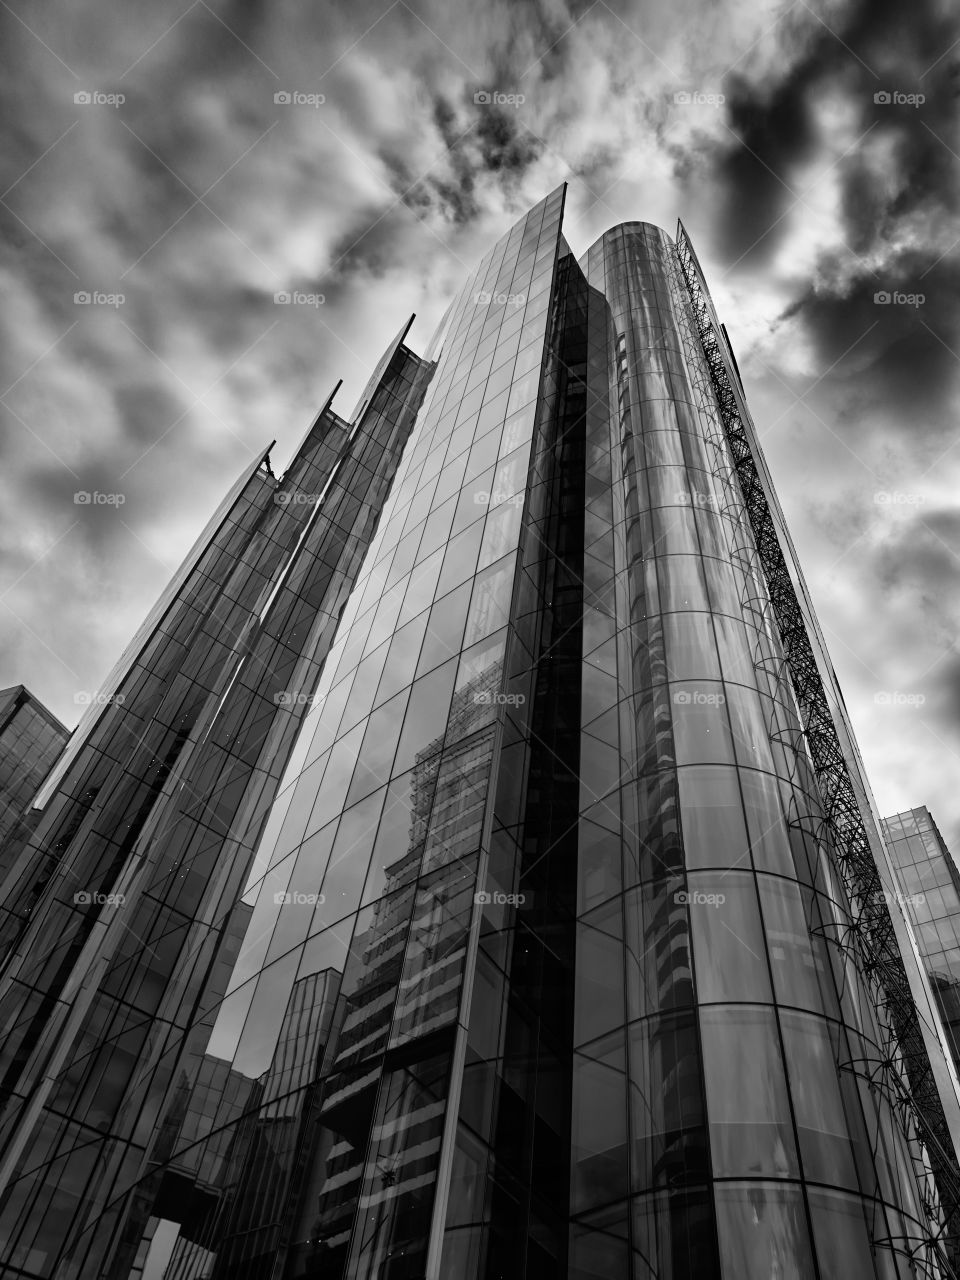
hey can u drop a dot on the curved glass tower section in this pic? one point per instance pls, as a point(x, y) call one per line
point(539, 929)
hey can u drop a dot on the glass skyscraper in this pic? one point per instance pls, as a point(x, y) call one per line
point(31, 738)
point(930, 891)
point(469, 870)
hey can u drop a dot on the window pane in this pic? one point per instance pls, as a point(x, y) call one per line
point(401, 661)
point(690, 647)
point(349, 858)
point(674, 1237)
point(490, 605)
point(659, 967)
point(681, 583)
point(599, 1124)
point(728, 943)
point(598, 1003)
point(840, 1232)
point(460, 560)
point(812, 1067)
point(701, 729)
point(769, 838)
point(445, 629)
point(426, 716)
point(714, 834)
point(750, 1131)
point(396, 854)
point(666, 1102)
point(750, 733)
point(801, 973)
point(763, 1231)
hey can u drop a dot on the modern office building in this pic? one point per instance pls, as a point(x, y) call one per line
point(478, 877)
point(930, 892)
point(31, 738)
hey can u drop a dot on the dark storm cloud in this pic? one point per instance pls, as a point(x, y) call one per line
point(449, 192)
point(773, 132)
point(875, 305)
point(868, 48)
point(904, 361)
point(506, 147)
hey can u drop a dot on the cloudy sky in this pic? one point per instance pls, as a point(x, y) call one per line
point(814, 167)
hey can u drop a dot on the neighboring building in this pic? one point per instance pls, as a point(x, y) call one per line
point(930, 884)
point(478, 877)
point(31, 738)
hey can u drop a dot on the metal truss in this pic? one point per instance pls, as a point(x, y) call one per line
point(871, 939)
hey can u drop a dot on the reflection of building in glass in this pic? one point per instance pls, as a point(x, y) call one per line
point(31, 738)
point(930, 886)
point(496, 889)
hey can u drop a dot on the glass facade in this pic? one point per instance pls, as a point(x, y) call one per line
point(930, 891)
point(462, 897)
point(31, 739)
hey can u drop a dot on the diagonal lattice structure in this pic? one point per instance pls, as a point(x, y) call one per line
point(873, 941)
